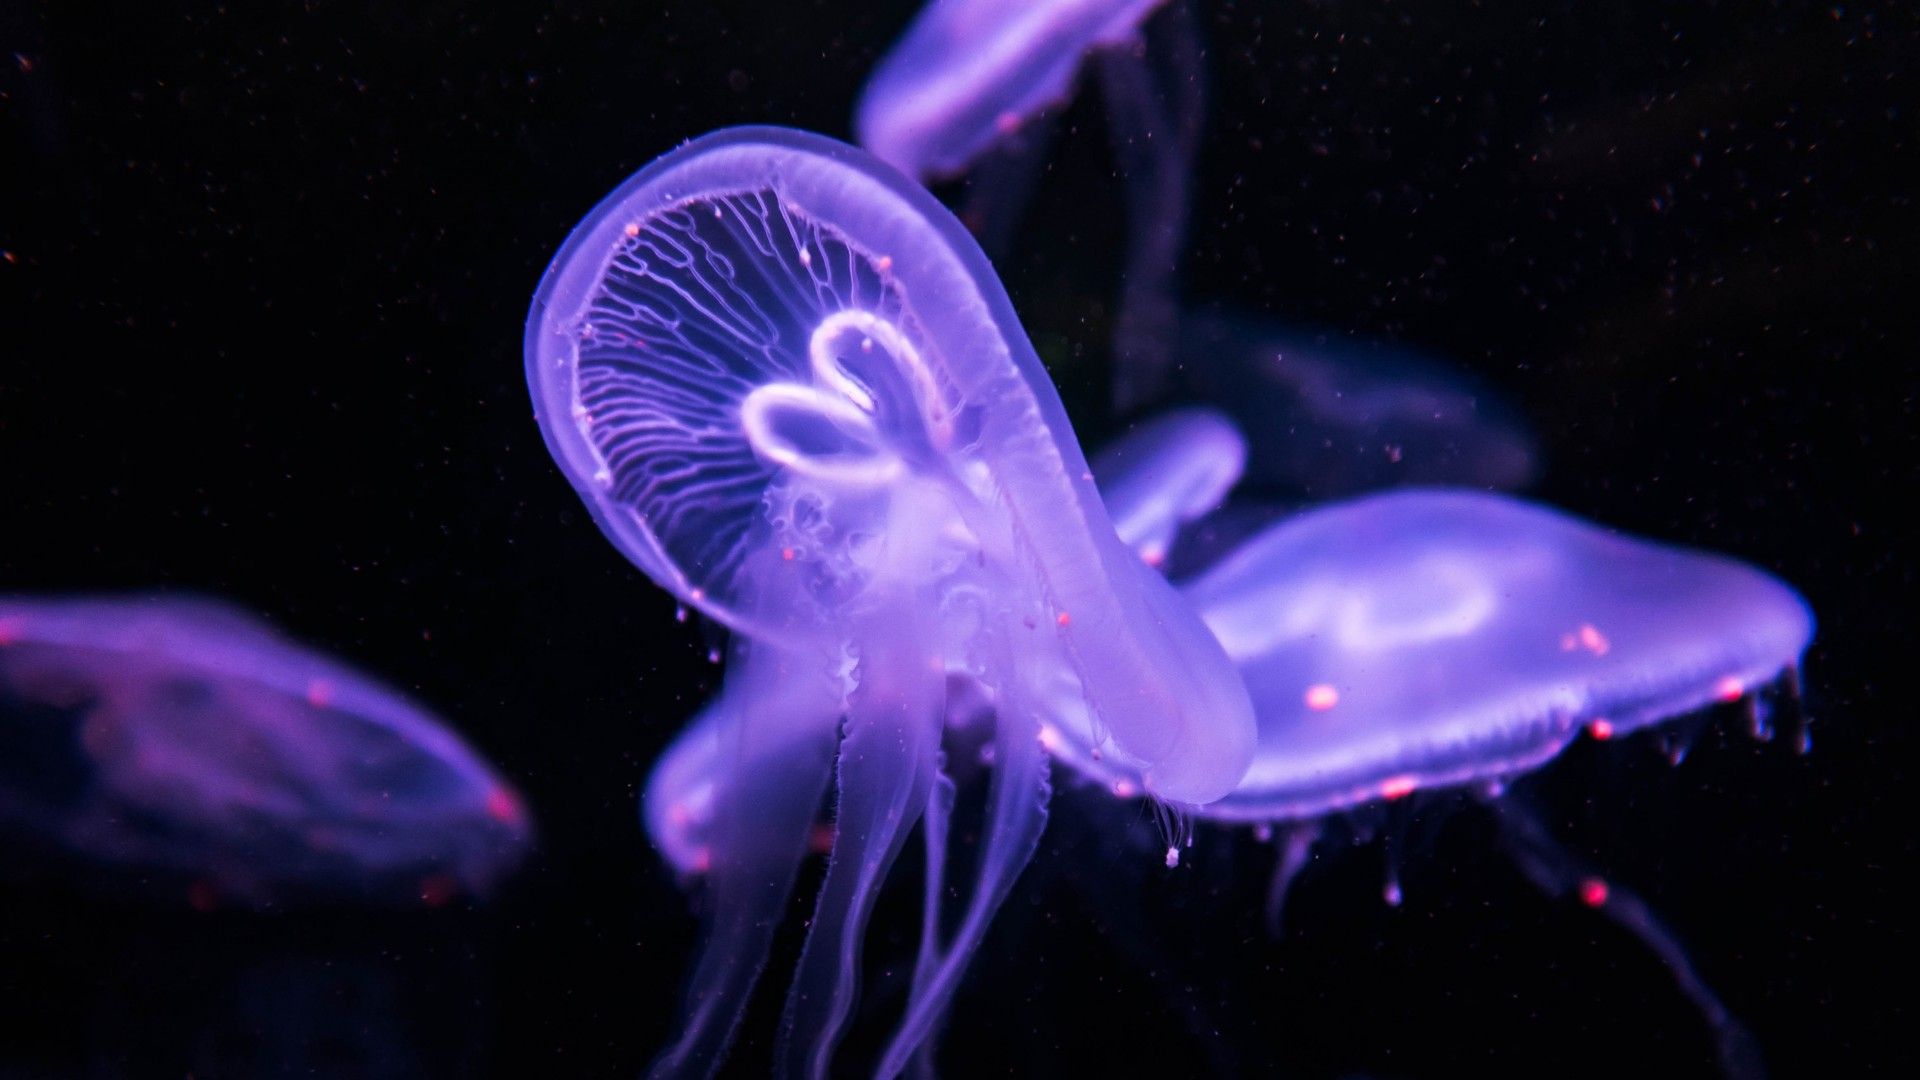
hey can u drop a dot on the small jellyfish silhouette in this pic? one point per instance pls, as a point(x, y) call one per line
point(1421, 640)
point(1328, 416)
point(194, 747)
point(791, 390)
point(969, 86)
point(1167, 473)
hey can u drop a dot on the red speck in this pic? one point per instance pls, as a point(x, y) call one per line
point(820, 840)
point(1593, 892)
point(1153, 557)
point(437, 889)
point(1595, 641)
point(1729, 689)
point(319, 693)
point(633, 230)
point(1322, 696)
point(1007, 122)
point(1062, 619)
point(201, 896)
point(884, 263)
point(787, 554)
point(503, 806)
point(9, 632)
point(702, 860)
point(1398, 787)
point(1601, 729)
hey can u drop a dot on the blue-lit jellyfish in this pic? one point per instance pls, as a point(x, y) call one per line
point(193, 747)
point(791, 390)
point(968, 88)
point(1328, 416)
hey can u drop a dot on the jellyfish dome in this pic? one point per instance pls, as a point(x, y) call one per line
point(1168, 472)
point(970, 71)
point(193, 746)
point(1435, 638)
point(792, 391)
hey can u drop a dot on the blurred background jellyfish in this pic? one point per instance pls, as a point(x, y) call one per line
point(791, 390)
point(1328, 416)
point(968, 88)
point(198, 752)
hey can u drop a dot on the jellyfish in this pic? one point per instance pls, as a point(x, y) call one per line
point(969, 86)
point(1170, 471)
point(197, 749)
point(1165, 473)
point(1328, 416)
point(1426, 640)
point(1422, 640)
point(790, 389)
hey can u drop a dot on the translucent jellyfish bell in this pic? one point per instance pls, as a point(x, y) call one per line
point(1168, 472)
point(793, 392)
point(1433, 638)
point(190, 744)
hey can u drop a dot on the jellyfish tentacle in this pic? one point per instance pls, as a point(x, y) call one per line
point(887, 761)
point(1155, 97)
point(1017, 815)
point(1296, 848)
point(779, 757)
point(1557, 872)
point(934, 830)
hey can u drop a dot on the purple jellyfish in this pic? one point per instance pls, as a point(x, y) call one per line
point(791, 390)
point(970, 83)
point(1165, 473)
point(1422, 640)
point(193, 745)
point(1327, 417)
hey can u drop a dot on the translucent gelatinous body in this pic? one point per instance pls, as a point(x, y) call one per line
point(968, 71)
point(970, 74)
point(1330, 417)
point(1169, 471)
point(793, 392)
point(1425, 638)
point(187, 742)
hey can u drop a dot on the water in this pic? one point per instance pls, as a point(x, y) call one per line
point(271, 269)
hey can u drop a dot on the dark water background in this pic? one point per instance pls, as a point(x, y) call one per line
point(264, 278)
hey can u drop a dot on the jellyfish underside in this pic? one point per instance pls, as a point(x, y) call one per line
point(764, 751)
point(189, 745)
point(766, 423)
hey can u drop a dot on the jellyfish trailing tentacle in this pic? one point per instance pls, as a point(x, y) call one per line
point(1016, 816)
point(1154, 87)
point(884, 776)
point(1557, 872)
point(781, 757)
point(934, 827)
